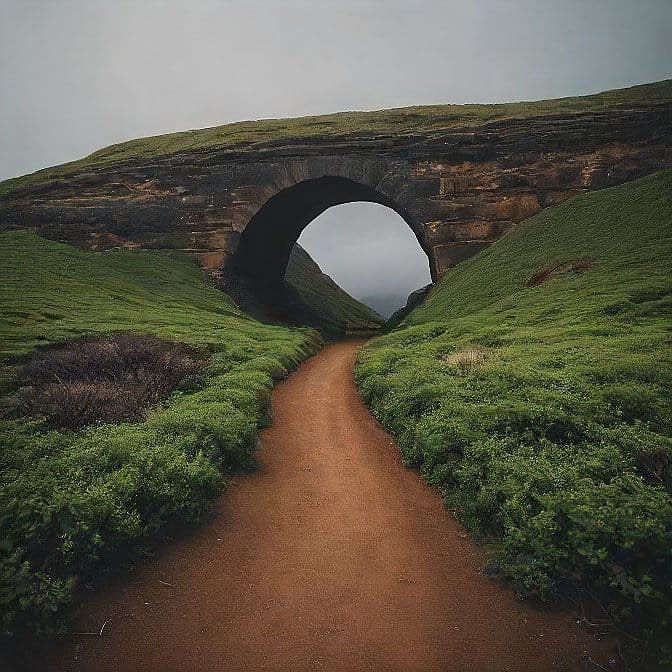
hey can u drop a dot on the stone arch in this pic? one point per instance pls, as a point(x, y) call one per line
point(254, 273)
point(464, 186)
point(262, 253)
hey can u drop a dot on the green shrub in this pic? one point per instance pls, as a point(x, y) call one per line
point(556, 447)
point(70, 501)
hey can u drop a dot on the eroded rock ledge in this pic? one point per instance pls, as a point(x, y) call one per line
point(459, 190)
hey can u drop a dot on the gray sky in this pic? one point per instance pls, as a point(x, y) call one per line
point(76, 75)
point(370, 251)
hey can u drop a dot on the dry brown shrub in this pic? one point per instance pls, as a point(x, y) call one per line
point(106, 380)
point(465, 360)
point(545, 272)
point(77, 404)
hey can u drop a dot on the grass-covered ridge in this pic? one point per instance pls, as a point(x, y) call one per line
point(407, 121)
point(543, 411)
point(335, 310)
point(70, 499)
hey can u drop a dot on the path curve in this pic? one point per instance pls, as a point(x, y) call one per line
point(332, 556)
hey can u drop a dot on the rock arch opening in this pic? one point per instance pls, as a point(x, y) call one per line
point(255, 273)
point(370, 252)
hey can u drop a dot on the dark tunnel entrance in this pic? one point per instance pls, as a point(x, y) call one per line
point(255, 273)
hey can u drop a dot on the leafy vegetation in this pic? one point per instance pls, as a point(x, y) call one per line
point(533, 388)
point(70, 500)
point(334, 310)
point(410, 121)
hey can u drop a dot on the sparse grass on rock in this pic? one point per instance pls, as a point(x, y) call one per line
point(422, 120)
point(556, 447)
point(334, 310)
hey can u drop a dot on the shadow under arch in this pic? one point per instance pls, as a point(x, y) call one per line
point(255, 273)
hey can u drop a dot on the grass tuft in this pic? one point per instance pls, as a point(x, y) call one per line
point(466, 360)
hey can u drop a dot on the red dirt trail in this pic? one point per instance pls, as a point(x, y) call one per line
point(332, 556)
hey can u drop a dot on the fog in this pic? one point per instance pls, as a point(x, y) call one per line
point(76, 75)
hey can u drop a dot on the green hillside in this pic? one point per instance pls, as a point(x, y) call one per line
point(334, 310)
point(406, 121)
point(70, 499)
point(533, 387)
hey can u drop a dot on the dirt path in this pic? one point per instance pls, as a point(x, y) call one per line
point(332, 556)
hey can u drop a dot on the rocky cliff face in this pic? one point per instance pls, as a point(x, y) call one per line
point(240, 208)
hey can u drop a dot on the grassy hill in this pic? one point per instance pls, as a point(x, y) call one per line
point(69, 500)
point(533, 387)
point(406, 121)
point(334, 310)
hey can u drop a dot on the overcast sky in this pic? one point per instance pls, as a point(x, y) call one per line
point(370, 251)
point(76, 75)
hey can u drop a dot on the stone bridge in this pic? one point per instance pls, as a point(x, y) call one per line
point(240, 210)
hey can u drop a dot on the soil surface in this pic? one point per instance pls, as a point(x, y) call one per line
point(332, 556)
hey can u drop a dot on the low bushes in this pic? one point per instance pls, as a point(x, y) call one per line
point(105, 380)
point(77, 486)
point(570, 481)
point(71, 500)
point(555, 448)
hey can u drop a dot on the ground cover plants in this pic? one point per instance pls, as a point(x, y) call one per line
point(76, 490)
point(533, 388)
